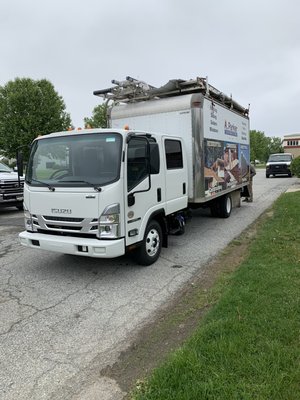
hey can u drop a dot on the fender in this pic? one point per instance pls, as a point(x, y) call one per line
point(158, 215)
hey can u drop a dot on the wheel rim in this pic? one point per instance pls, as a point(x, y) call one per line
point(152, 242)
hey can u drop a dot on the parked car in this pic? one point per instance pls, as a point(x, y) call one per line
point(11, 188)
point(279, 164)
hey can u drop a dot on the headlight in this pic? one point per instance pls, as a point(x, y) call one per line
point(28, 221)
point(109, 222)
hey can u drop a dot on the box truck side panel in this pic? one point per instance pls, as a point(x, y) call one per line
point(226, 149)
point(216, 139)
point(220, 123)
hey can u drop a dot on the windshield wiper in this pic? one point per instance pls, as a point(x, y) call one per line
point(51, 188)
point(97, 188)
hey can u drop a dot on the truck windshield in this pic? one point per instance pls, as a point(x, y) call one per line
point(75, 160)
point(280, 157)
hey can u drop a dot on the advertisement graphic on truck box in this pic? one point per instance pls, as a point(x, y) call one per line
point(219, 123)
point(244, 151)
point(226, 165)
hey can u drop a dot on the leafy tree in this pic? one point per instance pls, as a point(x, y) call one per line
point(262, 146)
point(258, 146)
point(99, 117)
point(28, 109)
point(275, 145)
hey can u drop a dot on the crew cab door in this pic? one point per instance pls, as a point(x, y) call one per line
point(176, 176)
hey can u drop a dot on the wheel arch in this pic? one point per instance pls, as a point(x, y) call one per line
point(160, 216)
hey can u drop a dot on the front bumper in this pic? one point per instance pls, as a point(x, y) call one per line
point(72, 245)
point(8, 200)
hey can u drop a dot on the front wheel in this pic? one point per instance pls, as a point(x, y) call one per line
point(150, 248)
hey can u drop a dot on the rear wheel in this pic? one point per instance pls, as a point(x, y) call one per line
point(150, 248)
point(225, 206)
point(221, 207)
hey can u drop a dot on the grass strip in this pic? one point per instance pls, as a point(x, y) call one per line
point(248, 345)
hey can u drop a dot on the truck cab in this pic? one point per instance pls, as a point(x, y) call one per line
point(102, 192)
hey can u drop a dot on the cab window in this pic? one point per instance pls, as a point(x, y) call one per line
point(173, 154)
point(137, 168)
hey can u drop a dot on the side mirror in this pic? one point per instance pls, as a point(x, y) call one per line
point(154, 158)
point(20, 164)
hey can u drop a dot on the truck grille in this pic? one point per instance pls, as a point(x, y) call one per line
point(11, 186)
point(85, 227)
point(279, 168)
point(63, 219)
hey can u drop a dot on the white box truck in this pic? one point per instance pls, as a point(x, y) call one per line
point(104, 192)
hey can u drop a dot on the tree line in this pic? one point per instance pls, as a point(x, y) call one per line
point(29, 108)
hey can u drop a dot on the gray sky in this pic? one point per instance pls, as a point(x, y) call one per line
point(250, 49)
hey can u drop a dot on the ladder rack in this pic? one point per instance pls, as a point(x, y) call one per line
point(132, 90)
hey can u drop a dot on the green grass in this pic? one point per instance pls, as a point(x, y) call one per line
point(248, 346)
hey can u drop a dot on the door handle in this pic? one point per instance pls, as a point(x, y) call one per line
point(159, 194)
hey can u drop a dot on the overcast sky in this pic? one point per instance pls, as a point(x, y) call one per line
point(250, 49)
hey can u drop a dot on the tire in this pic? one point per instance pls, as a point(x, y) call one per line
point(150, 248)
point(267, 175)
point(225, 206)
point(20, 207)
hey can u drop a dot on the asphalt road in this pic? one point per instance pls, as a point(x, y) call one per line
point(63, 319)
